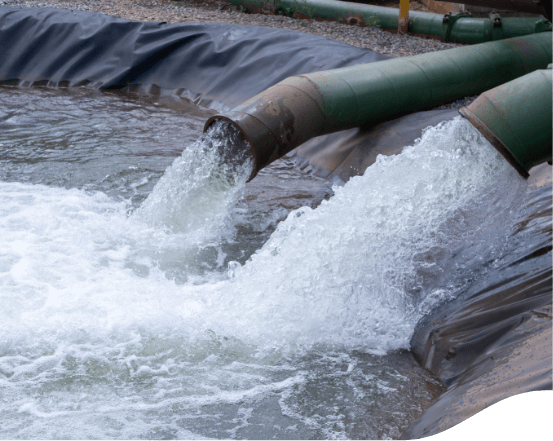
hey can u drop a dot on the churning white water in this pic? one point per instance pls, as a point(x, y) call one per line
point(98, 341)
point(198, 192)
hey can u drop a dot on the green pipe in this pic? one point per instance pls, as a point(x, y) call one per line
point(537, 7)
point(304, 106)
point(516, 118)
point(461, 28)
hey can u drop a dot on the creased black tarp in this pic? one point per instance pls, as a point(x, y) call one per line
point(494, 340)
point(220, 66)
point(341, 155)
point(215, 65)
point(211, 63)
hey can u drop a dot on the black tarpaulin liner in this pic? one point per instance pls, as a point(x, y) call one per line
point(219, 66)
point(216, 65)
point(341, 155)
point(494, 340)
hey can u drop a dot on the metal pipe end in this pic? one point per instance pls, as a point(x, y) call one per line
point(493, 139)
point(263, 143)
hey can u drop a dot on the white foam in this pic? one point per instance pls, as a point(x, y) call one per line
point(197, 193)
point(339, 274)
point(352, 272)
point(85, 301)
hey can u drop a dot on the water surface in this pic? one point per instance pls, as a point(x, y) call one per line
point(144, 302)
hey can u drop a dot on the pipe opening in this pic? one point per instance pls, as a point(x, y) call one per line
point(264, 144)
point(493, 140)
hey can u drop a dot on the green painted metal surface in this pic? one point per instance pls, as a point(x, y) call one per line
point(378, 91)
point(304, 106)
point(457, 28)
point(516, 118)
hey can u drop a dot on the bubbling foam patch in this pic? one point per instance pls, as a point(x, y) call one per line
point(196, 194)
point(355, 271)
point(91, 325)
point(362, 268)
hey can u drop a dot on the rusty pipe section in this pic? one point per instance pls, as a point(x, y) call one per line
point(305, 106)
point(278, 119)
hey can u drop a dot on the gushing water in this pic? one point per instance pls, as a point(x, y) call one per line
point(197, 193)
point(361, 269)
point(97, 340)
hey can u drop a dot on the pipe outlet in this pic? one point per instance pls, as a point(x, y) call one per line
point(516, 118)
point(279, 119)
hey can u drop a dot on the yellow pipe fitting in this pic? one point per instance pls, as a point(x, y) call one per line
point(403, 21)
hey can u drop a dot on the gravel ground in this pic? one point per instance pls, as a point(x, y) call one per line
point(220, 11)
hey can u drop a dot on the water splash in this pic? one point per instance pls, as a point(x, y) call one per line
point(357, 271)
point(362, 268)
point(197, 193)
point(95, 339)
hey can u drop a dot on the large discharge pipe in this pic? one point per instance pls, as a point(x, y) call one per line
point(461, 28)
point(516, 118)
point(304, 106)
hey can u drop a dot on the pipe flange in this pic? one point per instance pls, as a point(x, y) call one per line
point(448, 22)
point(496, 19)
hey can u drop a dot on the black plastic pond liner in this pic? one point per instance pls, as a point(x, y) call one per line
point(342, 155)
point(494, 340)
point(215, 65)
point(464, 343)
